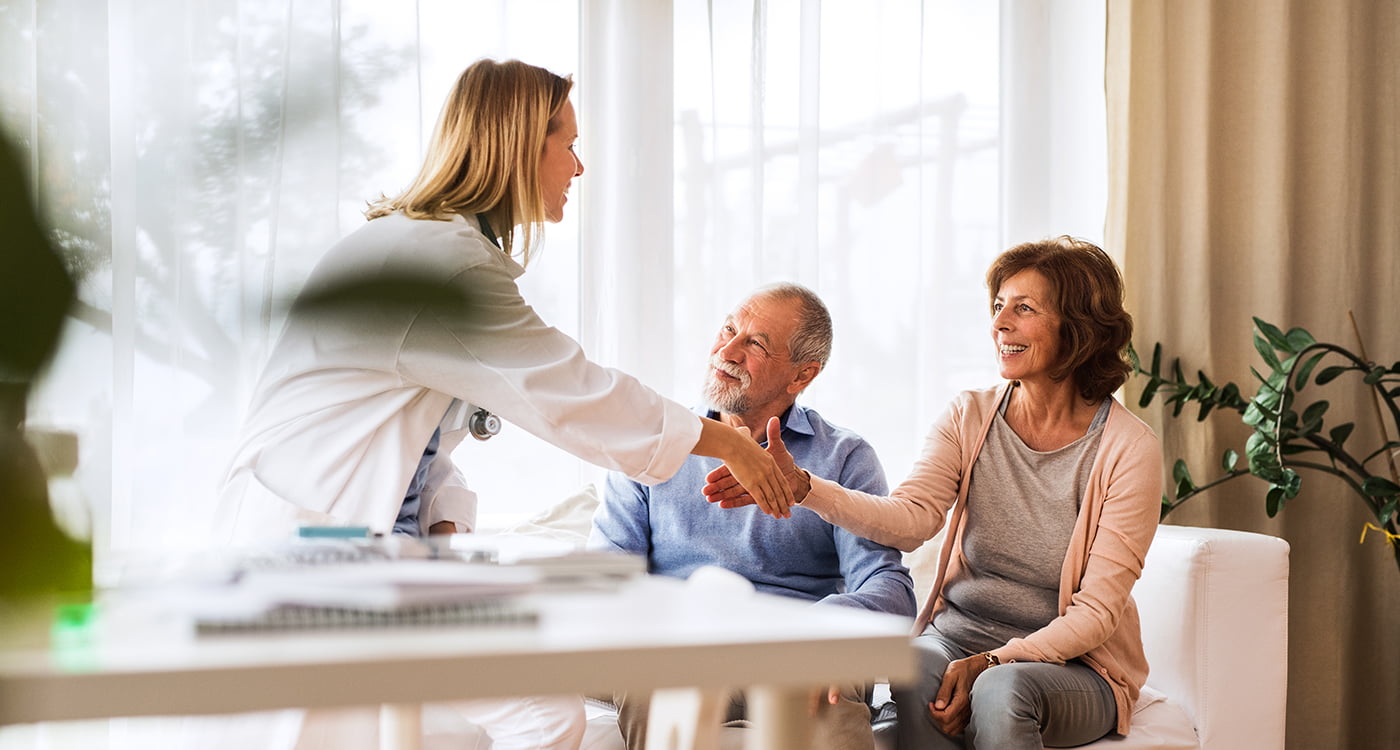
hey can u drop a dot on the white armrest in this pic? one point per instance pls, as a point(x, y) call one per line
point(1214, 606)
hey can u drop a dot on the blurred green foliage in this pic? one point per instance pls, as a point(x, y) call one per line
point(37, 558)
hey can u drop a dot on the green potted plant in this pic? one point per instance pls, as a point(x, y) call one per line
point(36, 292)
point(1290, 431)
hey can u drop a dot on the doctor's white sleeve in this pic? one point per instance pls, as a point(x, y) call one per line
point(497, 353)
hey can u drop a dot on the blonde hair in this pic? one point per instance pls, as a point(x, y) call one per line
point(484, 156)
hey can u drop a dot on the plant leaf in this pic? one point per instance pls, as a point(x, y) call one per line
point(1265, 466)
point(1273, 502)
point(1264, 413)
point(1312, 417)
point(1341, 432)
point(1328, 374)
point(1258, 443)
point(407, 291)
point(1149, 392)
point(1303, 372)
point(1379, 487)
point(1298, 340)
point(1181, 472)
point(1253, 415)
point(1229, 459)
point(1294, 483)
point(1375, 375)
point(1266, 351)
point(1230, 395)
point(1272, 333)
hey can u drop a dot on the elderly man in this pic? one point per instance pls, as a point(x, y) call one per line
point(767, 352)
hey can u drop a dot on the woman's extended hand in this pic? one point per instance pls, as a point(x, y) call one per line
point(722, 487)
point(750, 468)
point(952, 707)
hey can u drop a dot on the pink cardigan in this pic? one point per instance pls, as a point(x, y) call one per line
point(1117, 519)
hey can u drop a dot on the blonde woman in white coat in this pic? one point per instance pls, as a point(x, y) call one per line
point(356, 414)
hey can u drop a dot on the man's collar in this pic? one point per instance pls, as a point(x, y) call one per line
point(795, 419)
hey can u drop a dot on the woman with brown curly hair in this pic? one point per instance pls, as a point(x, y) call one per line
point(1050, 489)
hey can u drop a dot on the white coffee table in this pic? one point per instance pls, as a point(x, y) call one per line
point(649, 634)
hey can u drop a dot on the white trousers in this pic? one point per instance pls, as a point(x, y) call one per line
point(545, 722)
point(548, 722)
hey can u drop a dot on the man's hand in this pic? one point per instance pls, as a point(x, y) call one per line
point(750, 467)
point(721, 486)
point(952, 707)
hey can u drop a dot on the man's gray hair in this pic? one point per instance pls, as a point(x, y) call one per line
point(811, 340)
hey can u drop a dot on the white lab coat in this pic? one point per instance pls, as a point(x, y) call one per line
point(347, 404)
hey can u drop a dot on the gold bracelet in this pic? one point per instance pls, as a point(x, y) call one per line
point(992, 660)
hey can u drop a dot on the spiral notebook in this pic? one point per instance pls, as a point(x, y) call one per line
point(338, 593)
point(293, 617)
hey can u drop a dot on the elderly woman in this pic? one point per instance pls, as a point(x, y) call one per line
point(1050, 489)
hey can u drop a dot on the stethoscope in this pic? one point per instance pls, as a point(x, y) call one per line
point(483, 425)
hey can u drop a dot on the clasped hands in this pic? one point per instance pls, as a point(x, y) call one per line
point(952, 707)
point(721, 487)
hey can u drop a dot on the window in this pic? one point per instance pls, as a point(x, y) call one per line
point(196, 158)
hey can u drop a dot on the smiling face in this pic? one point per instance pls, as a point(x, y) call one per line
point(559, 165)
point(751, 369)
point(1025, 327)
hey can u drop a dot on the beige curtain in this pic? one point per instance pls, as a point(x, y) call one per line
point(1254, 156)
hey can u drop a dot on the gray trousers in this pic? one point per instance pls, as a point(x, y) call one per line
point(1020, 706)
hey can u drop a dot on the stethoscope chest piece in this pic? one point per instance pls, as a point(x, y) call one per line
point(483, 425)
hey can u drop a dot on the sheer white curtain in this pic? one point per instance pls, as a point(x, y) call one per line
point(196, 157)
point(881, 152)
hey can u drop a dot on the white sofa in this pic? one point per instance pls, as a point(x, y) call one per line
point(1214, 606)
point(1214, 609)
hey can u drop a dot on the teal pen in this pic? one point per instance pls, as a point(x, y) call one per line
point(333, 532)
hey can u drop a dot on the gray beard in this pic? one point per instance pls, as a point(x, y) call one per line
point(725, 400)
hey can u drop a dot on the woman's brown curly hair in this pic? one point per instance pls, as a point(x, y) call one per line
point(1087, 291)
